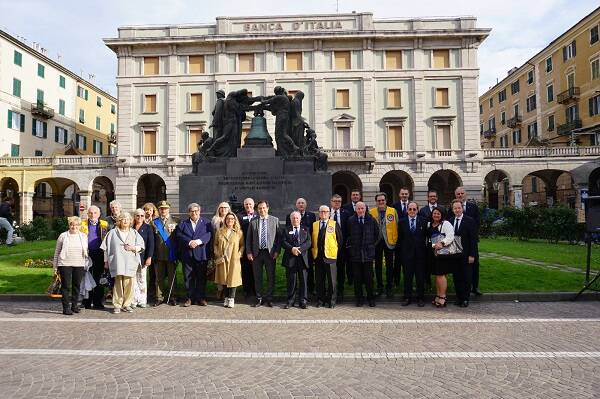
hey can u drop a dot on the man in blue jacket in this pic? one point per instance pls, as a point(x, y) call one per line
point(194, 236)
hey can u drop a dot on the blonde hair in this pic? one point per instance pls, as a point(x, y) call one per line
point(123, 216)
point(74, 220)
point(223, 205)
point(151, 205)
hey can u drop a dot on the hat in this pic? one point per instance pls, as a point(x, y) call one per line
point(221, 91)
point(163, 204)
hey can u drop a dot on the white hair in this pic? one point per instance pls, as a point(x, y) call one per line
point(115, 203)
point(93, 208)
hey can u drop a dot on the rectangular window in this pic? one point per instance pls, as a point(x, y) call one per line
point(40, 96)
point(16, 87)
point(60, 135)
point(343, 60)
point(149, 103)
point(81, 142)
point(14, 150)
point(594, 34)
point(195, 102)
point(549, 65)
point(530, 77)
point(517, 136)
point(594, 105)
point(112, 128)
point(97, 123)
point(443, 137)
point(82, 93)
point(149, 142)
point(441, 59)
point(532, 130)
point(595, 67)
point(38, 153)
point(550, 93)
point(534, 185)
point(245, 62)
point(550, 123)
point(41, 70)
point(151, 66)
point(503, 118)
point(195, 137)
point(504, 141)
point(342, 98)
point(18, 58)
point(514, 87)
point(343, 137)
point(62, 82)
point(394, 138)
point(516, 110)
point(393, 59)
point(571, 80)
point(480, 109)
point(99, 101)
point(481, 128)
point(61, 107)
point(293, 61)
point(196, 64)
point(16, 121)
point(531, 103)
point(441, 97)
point(491, 102)
point(393, 98)
point(502, 96)
point(113, 109)
point(97, 147)
point(81, 116)
point(569, 51)
point(572, 113)
point(39, 129)
point(492, 123)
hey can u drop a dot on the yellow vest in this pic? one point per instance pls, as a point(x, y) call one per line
point(331, 246)
point(103, 227)
point(391, 224)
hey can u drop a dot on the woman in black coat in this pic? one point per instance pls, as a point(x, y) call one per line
point(140, 296)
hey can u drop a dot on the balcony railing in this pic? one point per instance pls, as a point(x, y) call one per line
point(350, 155)
point(514, 121)
point(60, 160)
point(41, 111)
point(540, 152)
point(571, 94)
point(490, 133)
point(563, 130)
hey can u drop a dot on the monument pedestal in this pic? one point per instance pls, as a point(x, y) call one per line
point(258, 173)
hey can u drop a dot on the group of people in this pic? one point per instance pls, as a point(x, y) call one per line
point(343, 243)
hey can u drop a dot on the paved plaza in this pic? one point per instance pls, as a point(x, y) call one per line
point(489, 350)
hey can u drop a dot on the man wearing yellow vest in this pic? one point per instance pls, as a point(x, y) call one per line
point(387, 219)
point(96, 230)
point(326, 242)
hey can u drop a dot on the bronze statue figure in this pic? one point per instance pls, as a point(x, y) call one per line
point(217, 114)
point(298, 123)
point(279, 105)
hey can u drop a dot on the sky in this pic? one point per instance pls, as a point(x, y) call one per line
point(75, 29)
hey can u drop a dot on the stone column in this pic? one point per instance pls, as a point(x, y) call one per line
point(58, 207)
point(26, 207)
point(516, 195)
point(85, 201)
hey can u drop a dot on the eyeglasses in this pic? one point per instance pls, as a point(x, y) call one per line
point(380, 200)
point(140, 216)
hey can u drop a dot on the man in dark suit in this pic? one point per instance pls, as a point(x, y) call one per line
point(262, 247)
point(165, 253)
point(355, 197)
point(464, 227)
point(413, 249)
point(245, 217)
point(194, 237)
point(471, 209)
point(326, 244)
point(401, 208)
point(307, 219)
point(363, 233)
point(340, 216)
point(296, 244)
point(432, 202)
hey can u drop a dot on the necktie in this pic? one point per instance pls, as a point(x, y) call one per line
point(335, 216)
point(296, 235)
point(456, 224)
point(412, 225)
point(403, 207)
point(360, 220)
point(322, 224)
point(263, 233)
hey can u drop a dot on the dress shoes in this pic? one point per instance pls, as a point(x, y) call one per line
point(319, 304)
point(67, 311)
point(464, 304)
point(359, 304)
point(269, 304)
point(157, 303)
point(286, 306)
point(99, 307)
point(173, 302)
point(477, 292)
point(257, 304)
point(420, 303)
point(75, 309)
point(302, 305)
point(202, 302)
point(187, 303)
point(372, 303)
point(406, 302)
point(332, 305)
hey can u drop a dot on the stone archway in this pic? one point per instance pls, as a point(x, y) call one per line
point(103, 192)
point(594, 182)
point(549, 187)
point(55, 197)
point(392, 182)
point(444, 182)
point(9, 188)
point(343, 182)
point(150, 188)
point(497, 189)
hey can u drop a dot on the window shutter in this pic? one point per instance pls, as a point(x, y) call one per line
point(9, 119)
point(564, 53)
point(65, 138)
point(86, 94)
point(56, 134)
point(573, 44)
point(84, 143)
point(590, 105)
point(45, 132)
point(33, 126)
point(22, 123)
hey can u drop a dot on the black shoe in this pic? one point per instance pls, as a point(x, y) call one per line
point(332, 305)
point(464, 304)
point(87, 306)
point(286, 306)
point(157, 303)
point(319, 304)
point(406, 302)
point(359, 304)
point(303, 305)
point(257, 304)
point(269, 304)
point(67, 311)
point(75, 309)
point(477, 292)
point(420, 303)
point(372, 303)
point(173, 302)
point(99, 306)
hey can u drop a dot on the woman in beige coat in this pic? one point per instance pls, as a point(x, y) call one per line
point(228, 250)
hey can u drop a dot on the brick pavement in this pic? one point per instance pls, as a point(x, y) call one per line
point(495, 350)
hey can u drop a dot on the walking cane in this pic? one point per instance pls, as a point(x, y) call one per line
point(172, 282)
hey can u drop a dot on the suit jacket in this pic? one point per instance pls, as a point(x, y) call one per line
point(426, 212)
point(185, 233)
point(339, 237)
point(273, 236)
point(288, 242)
point(343, 223)
point(362, 239)
point(244, 221)
point(473, 212)
point(348, 207)
point(147, 233)
point(413, 246)
point(161, 251)
point(468, 234)
point(398, 206)
point(306, 221)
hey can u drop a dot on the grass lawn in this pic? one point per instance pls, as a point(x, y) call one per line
point(561, 253)
point(16, 279)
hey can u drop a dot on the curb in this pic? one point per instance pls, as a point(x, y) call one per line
point(492, 297)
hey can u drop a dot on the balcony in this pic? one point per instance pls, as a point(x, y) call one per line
point(490, 133)
point(569, 95)
point(514, 121)
point(564, 130)
point(41, 111)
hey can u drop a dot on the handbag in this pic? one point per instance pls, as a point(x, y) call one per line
point(106, 279)
point(210, 270)
point(453, 249)
point(54, 287)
